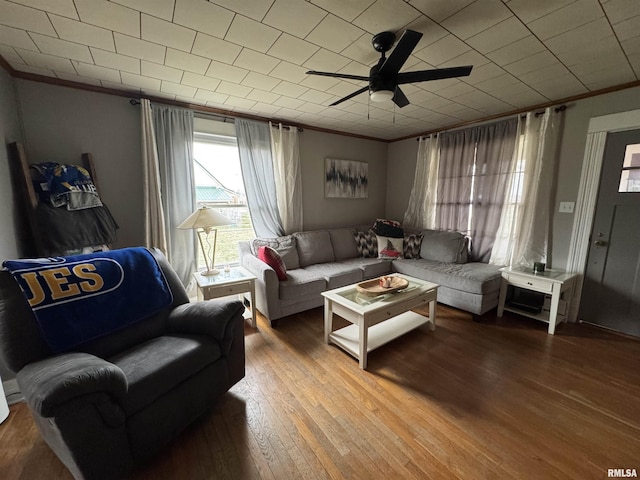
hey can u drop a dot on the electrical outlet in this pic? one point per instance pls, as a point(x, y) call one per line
point(566, 207)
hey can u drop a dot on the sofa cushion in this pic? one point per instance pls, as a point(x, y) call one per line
point(336, 274)
point(411, 245)
point(387, 228)
point(285, 246)
point(271, 257)
point(447, 247)
point(343, 243)
point(366, 244)
point(474, 277)
point(301, 283)
point(371, 267)
point(314, 247)
point(389, 247)
point(160, 364)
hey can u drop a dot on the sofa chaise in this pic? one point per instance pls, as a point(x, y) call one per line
point(321, 260)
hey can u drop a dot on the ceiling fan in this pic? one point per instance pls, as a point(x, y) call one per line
point(384, 77)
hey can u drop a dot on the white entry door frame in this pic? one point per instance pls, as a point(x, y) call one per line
point(599, 128)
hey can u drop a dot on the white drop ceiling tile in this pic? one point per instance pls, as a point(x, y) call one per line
point(628, 28)
point(576, 39)
point(362, 51)
point(18, 16)
point(635, 63)
point(292, 49)
point(456, 90)
point(355, 68)
point(608, 48)
point(497, 84)
point(471, 57)
point(257, 80)
point(266, 108)
point(239, 102)
point(440, 11)
point(561, 87)
point(319, 83)
point(346, 10)
point(177, 89)
point(109, 15)
point(436, 102)
point(233, 89)
point(324, 60)
point(162, 72)
point(16, 37)
point(62, 48)
point(101, 73)
point(386, 15)
point(335, 34)
point(226, 72)
point(631, 46)
point(10, 55)
point(523, 98)
point(203, 16)
point(289, 89)
point(200, 81)
point(297, 17)
point(134, 47)
point(532, 63)
point(158, 8)
point(483, 73)
point(210, 96)
point(608, 77)
point(312, 108)
point(620, 10)
point(528, 10)
point(166, 33)
point(437, 85)
point(256, 61)
point(317, 97)
point(476, 18)
point(566, 18)
point(262, 96)
point(83, 33)
point(288, 114)
point(255, 9)
point(21, 67)
point(442, 50)
point(504, 33)
point(289, 72)
point(78, 79)
point(187, 61)
point(65, 8)
point(212, 47)
point(146, 83)
point(287, 102)
point(249, 33)
point(134, 91)
point(36, 59)
point(516, 51)
point(353, 107)
point(545, 74)
point(115, 61)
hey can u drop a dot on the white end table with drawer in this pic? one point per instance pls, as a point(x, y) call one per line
point(236, 281)
point(555, 283)
point(377, 320)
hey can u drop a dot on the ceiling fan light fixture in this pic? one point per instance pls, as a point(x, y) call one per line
point(382, 95)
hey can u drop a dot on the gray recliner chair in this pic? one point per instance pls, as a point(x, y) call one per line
point(113, 402)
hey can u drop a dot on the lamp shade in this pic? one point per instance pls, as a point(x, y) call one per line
point(382, 95)
point(206, 218)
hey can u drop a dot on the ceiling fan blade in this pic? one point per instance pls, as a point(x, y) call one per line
point(358, 92)
point(400, 99)
point(435, 74)
point(338, 75)
point(405, 46)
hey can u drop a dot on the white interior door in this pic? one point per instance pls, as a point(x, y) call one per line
point(611, 291)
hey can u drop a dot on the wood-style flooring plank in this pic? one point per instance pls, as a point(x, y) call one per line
point(472, 400)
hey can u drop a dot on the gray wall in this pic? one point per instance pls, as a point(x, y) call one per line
point(320, 212)
point(11, 132)
point(402, 156)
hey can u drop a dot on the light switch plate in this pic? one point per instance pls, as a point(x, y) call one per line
point(566, 207)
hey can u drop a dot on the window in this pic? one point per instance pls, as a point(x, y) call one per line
point(630, 176)
point(218, 184)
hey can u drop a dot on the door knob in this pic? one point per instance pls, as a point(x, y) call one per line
point(600, 243)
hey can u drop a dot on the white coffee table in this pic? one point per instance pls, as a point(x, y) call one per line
point(376, 320)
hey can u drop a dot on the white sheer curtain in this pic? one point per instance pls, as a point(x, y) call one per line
point(421, 210)
point(525, 226)
point(288, 180)
point(254, 147)
point(174, 140)
point(154, 227)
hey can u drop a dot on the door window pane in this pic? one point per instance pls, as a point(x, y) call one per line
point(630, 176)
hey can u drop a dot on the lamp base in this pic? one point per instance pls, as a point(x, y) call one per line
point(208, 273)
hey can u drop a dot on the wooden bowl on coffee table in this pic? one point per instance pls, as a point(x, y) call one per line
point(373, 287)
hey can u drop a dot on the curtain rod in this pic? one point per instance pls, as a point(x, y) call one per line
point(558, 109)
point(286, 127)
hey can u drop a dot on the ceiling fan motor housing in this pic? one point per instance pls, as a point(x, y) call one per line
point(378, 82)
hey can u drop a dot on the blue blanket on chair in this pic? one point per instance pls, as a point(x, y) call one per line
point(78, 298)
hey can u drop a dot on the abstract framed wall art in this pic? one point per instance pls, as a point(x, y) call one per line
point(346, 179)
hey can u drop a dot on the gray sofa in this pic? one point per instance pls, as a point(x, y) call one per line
point(113, 402)
point(321, 260)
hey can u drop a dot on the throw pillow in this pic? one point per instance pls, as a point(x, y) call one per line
point(389, 247)
point(411, 246)
point(366, 244)
point(285, 246)
point(271, 257)
point(387, 228)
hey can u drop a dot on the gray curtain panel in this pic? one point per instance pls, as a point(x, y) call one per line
point(254, 145)
point(174, 139)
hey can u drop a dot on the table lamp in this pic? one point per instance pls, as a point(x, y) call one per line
point(204, 220)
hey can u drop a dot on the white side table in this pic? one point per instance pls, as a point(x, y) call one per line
point(4, 407)
point(556, 284)
point(234, 282)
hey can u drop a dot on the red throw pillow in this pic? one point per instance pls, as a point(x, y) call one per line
point(272, 258)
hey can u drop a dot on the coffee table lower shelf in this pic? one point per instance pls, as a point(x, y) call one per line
point(348, 338)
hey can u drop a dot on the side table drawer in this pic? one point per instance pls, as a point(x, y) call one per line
point(530, 283)
point(224, 290)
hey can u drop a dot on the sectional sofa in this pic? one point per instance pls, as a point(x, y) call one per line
point(322, 260)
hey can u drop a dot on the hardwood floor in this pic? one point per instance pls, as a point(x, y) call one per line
point(496, 399)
